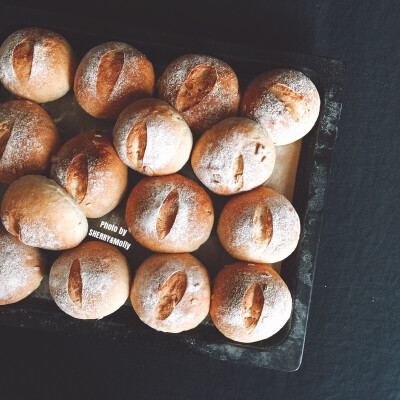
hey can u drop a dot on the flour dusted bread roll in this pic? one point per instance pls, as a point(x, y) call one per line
point(110, 76)
point(28, 138)
point(41, 214)
point(21, 268)
point(203, 89)
point(169, 214)
point(250, 302)
point(233, 156)
point(284, 101)
point(259, 226)
point(37, 64)
point(171, 292)
point(89, 169)
point(152, 138)
point(90, 281)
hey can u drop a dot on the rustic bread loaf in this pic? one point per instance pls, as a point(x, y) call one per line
point(110, 76)
point(37, 64)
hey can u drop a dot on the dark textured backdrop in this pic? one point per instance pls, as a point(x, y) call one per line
point(352, 347)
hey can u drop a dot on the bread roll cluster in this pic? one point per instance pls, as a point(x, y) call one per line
point(165, 212)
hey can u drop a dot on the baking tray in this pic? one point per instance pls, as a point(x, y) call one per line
point(284, 350)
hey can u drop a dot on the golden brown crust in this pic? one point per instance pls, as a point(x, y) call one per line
point(259, 226)
point(171, 292)
point(90, 281)
point(203, 89)
point(88, 167)
point(41, 214)
point(21, 268)
point(111, 76)
point(37, 64)
point(233, 156)
point(169, 214)
point(249, 302)
point(152, 138)
point(28, 138)
point(284, 101)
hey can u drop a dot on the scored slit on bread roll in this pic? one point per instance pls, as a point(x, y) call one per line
point(90, 281)
point(37, 64)
point(152, 138)
point(21, 268)
point(169, 214)
point(89, 169)
point(284, 101)
point(249, 302)
point(110, 76)
point(28, 138)
point(202, 88)
point(233, 156)
point(171, 292)
point(42, 214)
point(259, 226)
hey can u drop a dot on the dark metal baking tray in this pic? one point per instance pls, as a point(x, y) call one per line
point(284, 350)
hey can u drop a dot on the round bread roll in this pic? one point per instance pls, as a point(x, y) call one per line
point(89, 169)
point(37, 64)
point(203, 89)
point(152, 138)
point(28, 138)
point(169, 214)
point(284, 101)
point(110, 76)
point(171, 292)
point(249, 302)
point(90, 281)
point(21, 268)
point(233, 156)
point(259, 226)
point(41, 214)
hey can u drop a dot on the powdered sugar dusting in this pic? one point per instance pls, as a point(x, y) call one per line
point(215, 153)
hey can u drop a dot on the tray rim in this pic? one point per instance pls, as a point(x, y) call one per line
point(286, 356)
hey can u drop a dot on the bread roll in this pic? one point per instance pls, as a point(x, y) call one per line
point(41, 214)
point(21, 268)
point(249, 302)
point(171, 292)
point(110, 76)
point(169, 214)
point(284, 101)
point(259, 226)
point(37, 64)
point(233, 156)
point(28, 138)
point(89, 169)
point(203, 89)
point(90, 281)
point(152, 138)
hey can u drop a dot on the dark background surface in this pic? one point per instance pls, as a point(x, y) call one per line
point(352, 348)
